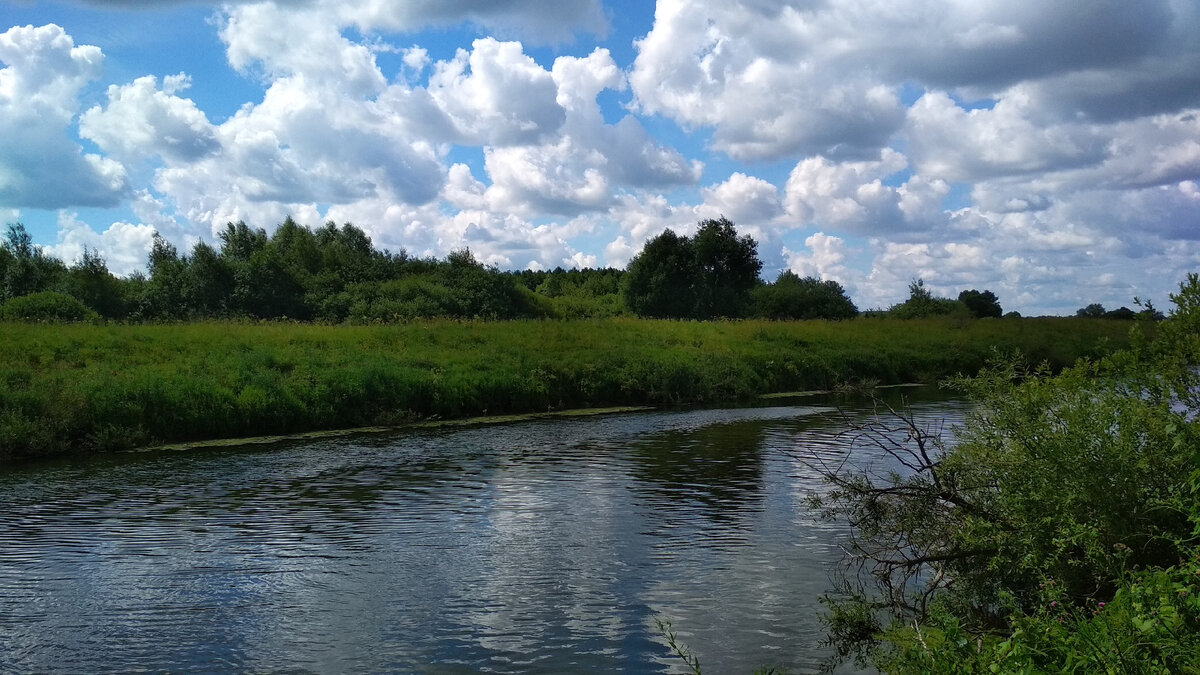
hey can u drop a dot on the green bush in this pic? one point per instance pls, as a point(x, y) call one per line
point(1059, 533)
point(791, 297)
point(46, 306)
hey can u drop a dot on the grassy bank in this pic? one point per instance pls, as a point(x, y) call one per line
point(67, 388)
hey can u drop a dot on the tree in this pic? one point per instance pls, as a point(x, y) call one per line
point(1062, 495)
point(702, 277)
point(726, 269)
point(164, 297)
point(239, 243)
point(1092, 311)
point(922, 304)
point(981, 303)
point(265, 288)
point(26, 268)
point(791, 297)
point(1148, 312)
point(18, 241)
point(348, 254)
point(482, 292)
point(208, 283)
point(90, 281)
point(658, 283)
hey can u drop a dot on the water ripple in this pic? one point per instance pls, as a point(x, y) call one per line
point(546, 546)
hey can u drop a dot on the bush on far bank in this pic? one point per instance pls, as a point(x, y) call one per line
point(45, 307)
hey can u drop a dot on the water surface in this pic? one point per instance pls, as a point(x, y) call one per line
point(547, 546)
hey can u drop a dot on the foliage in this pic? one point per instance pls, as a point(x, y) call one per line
point(677, 648)
point(89, 281)
point(1097, 311)
point(981, 304)
point(702, 277)
point(334, 274)
point(791, 297)
point(658, 283)
point(162, 295)
point(24, 268)
point(1151, 625)
point(1064, 495)
point(922, 304)
point(482, 292)
point(726, 269)
point(208, 286)
point(575, 293)
point(99, 387)
point(45, 306)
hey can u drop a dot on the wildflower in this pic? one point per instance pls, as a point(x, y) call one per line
point(1054, 603)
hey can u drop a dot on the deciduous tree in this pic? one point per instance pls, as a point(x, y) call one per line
point(982, 304)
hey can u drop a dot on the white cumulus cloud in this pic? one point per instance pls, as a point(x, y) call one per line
point(41, 166)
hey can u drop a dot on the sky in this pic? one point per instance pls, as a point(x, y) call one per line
point(1047, 151)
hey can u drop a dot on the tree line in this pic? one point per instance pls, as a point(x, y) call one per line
point(335, 274)
point(331, 274)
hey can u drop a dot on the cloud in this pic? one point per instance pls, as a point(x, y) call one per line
point(526, 19)
point(142, 120)
point(792, 77)
point(496, 95)
point(327, 131)
point(40, 165)
point(853, 197)
point(757, 82)
point(587, 162)
point(751, 203)
point(992, 44)
point(1044, 151)
point(745, 199)
point(495, 239)
point(949, 142)
point(825, 259)
point(124, 246)
point(333, 131)
point(324, 56)
point(1087, 247)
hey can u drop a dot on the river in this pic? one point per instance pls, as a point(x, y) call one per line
point(544, 546)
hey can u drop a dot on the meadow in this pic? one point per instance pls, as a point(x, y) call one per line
point(77, 388)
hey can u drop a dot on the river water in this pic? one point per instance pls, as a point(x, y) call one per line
point(546, 546)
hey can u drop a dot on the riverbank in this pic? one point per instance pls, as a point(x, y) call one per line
point(364, 431)
point(95, 388)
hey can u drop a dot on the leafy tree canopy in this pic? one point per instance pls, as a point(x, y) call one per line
point(981, 303)
point(921, 304)
point(708, 275)
point(792, 297)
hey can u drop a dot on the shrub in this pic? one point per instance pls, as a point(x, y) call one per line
point(982, 304)
point(791, 297)
point(45, 306)
point(1064, 495)
point(922, 304)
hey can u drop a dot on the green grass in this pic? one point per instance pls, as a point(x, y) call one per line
point(68, 388)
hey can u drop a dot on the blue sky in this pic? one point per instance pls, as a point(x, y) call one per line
point(1049, 152)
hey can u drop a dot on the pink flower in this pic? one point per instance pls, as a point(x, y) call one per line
point(1054, 604)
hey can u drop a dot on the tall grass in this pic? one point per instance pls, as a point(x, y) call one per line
point(66, 388)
